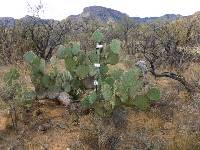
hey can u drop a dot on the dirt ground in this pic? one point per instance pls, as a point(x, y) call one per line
point(171, 124)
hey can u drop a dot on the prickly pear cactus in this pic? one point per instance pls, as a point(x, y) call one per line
point(97, 36)
point(109, 88)
point(118, 87)
point(115, 46)
point(46, 82)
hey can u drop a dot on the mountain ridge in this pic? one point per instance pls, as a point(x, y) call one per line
point(99, 12)
point(107, 14)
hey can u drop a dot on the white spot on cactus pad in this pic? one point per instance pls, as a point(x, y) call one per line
point(99, 46)
point(96, 82)
point(97, 65)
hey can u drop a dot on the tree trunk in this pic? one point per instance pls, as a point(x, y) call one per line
point(190, 88)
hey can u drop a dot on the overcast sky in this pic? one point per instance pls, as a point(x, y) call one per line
point(60, 9)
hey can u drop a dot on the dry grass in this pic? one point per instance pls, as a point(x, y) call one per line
point(143, 129)
point(170, 125)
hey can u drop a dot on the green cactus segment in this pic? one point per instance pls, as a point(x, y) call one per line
point(138, 71)
point(54, 80)
point(66, 75)
point(75, 48)
point(128, 78)
point(97, 36)
point(61, 53)
point(70, 63)
point(93, 57)
point(135, 73)
point(93, 70)
point(121, 91)
point(109, 80)
point(89, 99)
point(115, 46)
point(10, 76)
point(104, 69)
point(82, 71)
point(141, 102)
point(62, 81)
point(67, 87)
point(64, 52)
point(45, 80)
point(37, 64)
point(69, 51)
point(82, 58)
point(116, 73)
point(135, 88)
point(107, 92)
point(29, 57)
point(42, 65)
point(76, 83)
point(153, 94)
point(112, 58)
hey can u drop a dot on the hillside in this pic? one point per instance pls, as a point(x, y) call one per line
point(107, 14)
point(101, 13)
point(100, 81)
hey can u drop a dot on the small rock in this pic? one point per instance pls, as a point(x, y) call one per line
point(64, 98)
point(52, 95)
point(44, 127)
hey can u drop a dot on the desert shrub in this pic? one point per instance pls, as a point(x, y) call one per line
point(15, 94)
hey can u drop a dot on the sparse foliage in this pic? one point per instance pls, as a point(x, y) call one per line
point(15, 94)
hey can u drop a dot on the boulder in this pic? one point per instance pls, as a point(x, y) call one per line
point(64, 98)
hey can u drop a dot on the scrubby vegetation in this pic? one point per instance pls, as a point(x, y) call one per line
point(97, 85)
point(113, 87)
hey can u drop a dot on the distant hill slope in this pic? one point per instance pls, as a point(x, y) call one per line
point(7, 21)
point(108, 14)
point(101, 13)
point(27, 20)
point(164, 18)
